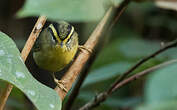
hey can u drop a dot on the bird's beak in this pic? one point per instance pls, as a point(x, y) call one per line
point(61, 44)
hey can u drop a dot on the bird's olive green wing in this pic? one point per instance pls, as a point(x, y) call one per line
point(37, 45)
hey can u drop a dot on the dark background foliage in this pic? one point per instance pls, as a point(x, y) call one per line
point(141, 30)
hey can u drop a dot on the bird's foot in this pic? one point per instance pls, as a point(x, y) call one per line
point(81, 47)
point(60, 83)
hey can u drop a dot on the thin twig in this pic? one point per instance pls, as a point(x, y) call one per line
point(26, 50)
point(72, 73)
point(140, 74)
point(102, 96)
point(119, 10)
point(169, 45)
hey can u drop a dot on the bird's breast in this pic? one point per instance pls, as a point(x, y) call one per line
point(54, 59)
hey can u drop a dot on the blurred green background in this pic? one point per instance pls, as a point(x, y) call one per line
point(140, 31)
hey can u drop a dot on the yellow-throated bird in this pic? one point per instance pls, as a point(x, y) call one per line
point(55, 47)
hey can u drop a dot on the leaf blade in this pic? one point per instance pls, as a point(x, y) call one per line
point(14, 71)
point(76, 10)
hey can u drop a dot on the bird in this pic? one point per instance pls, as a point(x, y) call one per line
point(56, 47)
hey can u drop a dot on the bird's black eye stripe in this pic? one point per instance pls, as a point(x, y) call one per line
point(55, 25)
point(70, 37)
point(53, 36)
point(69, 30)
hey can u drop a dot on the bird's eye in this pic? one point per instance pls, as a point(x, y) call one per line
point(69, 28)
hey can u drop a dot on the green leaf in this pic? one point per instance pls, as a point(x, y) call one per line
point(106, 72)
point(14, 71)
point(70, 10)
point(168, 105)
point(127, 49)
point(111, 54)
point(161, 85)
point(136, 48)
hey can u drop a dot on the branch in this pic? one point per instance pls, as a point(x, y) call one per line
point(103, 96)
point(33, 36)
point(119, 10)
point(72, 73)
point(169, 45)
point(140, 74)
point(26, 50)
point(76, 89)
